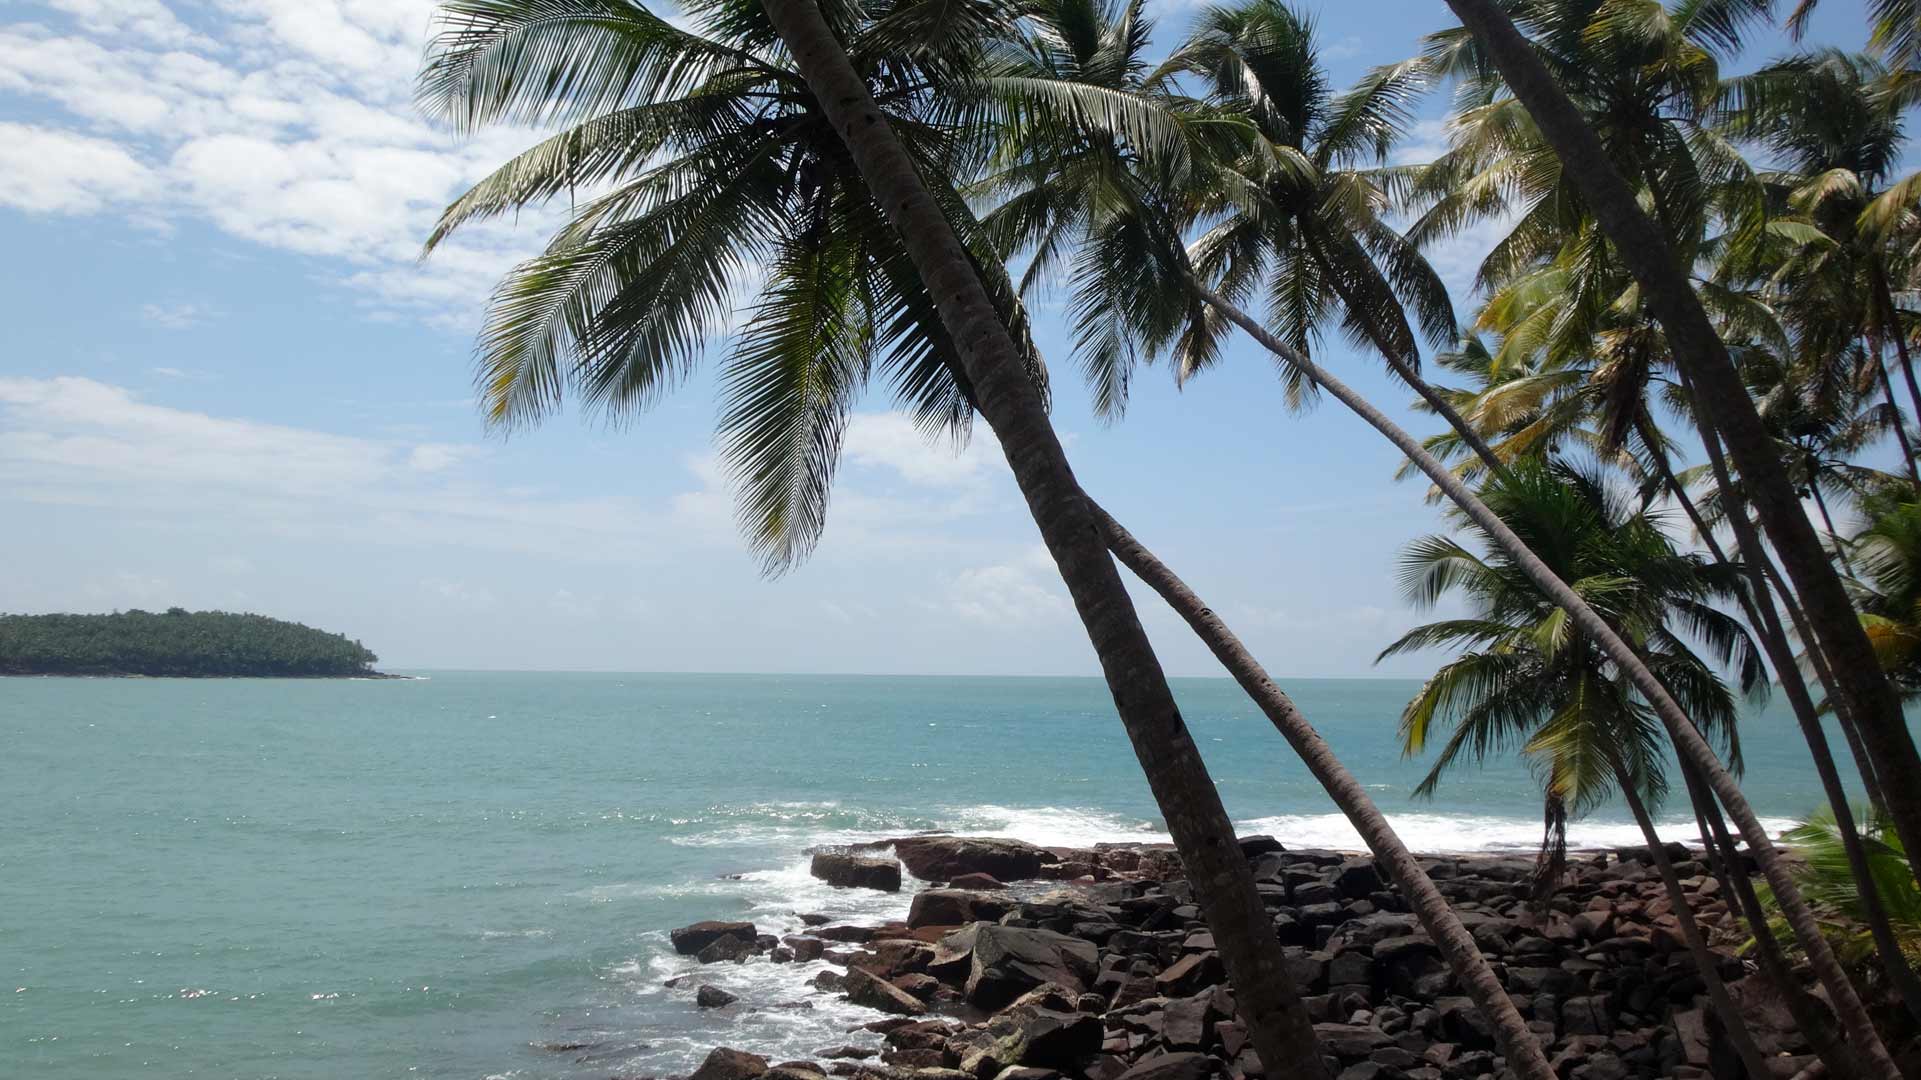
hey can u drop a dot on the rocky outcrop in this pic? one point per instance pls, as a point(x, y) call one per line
point(725, 1063)
point(856, 871)
point(713, 997)
point(942, 858)
point(689, 940)
point(1116, 977)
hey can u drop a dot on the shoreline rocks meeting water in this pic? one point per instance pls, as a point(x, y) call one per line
point(1018, 962)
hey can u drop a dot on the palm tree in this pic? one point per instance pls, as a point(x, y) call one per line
point(1833, 119)
point(1724, 406)
point(766, 135)
point(1529, 679)
point(1887, 583)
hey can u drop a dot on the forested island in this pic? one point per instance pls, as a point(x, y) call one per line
point(178, 643)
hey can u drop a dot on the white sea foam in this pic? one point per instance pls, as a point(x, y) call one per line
point(1463, 833)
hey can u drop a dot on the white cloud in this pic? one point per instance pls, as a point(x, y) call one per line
point(146, 19)
point(59, 172)
point(173, 317)
point(77, 441)
point(294, 130)
point(889, 440)
point(1025, 589)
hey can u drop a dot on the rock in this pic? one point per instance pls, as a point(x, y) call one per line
point(725, 1063)
point(1461, 1022)
point(976, 882)
point(1026, 1072)
point(805, 948)
point(1256, 846)
point(856, 871)
point(1356, 878)
point(944, 858)
point(1186, 1023)
point(1587, 1016)
point(1190, 973)
point(1183, 1066)
point(1008, 961)
point(874, 992)
point(727, 948)
point(689, 940)
point(954, 907)
point(713, 997)
point(846, 933)
point(1350, 1040)
point(922, 986)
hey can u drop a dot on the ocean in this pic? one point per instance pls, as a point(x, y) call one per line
point(472, 875)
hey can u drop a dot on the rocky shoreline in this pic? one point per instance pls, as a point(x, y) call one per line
point(1024, 963)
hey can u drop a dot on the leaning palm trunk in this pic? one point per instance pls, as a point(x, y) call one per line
point(1523, 1050)
point(1774, 639)
point(1704, 960)
point(1724, 403)
point(1279, 1026)
point(1687, 739)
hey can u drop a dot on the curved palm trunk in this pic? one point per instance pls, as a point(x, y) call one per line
point(1891, 327)
point(1687, 739)
point(1810, 1016)
point(1524, 1055)
point(1774, 639)
point(1761, 613)
point(1723, 402)
point(1282, 1034)
point(1899, 418)
point(1704, 958)
point(1827, 522)
point(1404, 367)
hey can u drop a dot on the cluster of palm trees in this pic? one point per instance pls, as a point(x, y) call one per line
point(1732, 255)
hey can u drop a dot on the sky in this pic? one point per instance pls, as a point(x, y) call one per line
point(227, 382)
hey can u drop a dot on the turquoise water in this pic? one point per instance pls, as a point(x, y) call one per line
point(471, 875)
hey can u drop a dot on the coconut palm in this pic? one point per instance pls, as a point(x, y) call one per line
point(1887, 584)
point(1833, 120)
point(1727, 412)
point(1532, 681)
point(762, 135)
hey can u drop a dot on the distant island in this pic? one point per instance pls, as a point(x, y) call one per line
point(177, 643)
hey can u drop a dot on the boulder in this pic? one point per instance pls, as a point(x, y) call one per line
point(689, 940)
point(943, 858)
point(1183, 1066)
point(1008, 961)
point(856, 871)
point(713, 997)
point(726, 948)
point(804, 948)
point(1357, 878)
point(1255, 846)
point(874, 992)
point(976, 882)
point(726, 1063)
point(954, 907)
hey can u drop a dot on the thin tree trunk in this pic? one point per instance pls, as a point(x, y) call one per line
point(1403, 366)
point(1264, 992)
point(1899, 418)
point(1704, 958)
point(1687, 739)
point(1891, 324)
point(1810, 1016)
point(1724, 403)
point(1863, 763)
point(1760, 603)
point(1827, 522)
point(1525, 1057)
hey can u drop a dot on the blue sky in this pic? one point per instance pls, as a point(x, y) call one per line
point(226, 383)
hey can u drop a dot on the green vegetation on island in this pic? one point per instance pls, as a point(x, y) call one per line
point(177, 643)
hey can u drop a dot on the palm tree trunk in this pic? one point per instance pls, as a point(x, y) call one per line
point(1891, 321)
point(1278, 1025)
point(1523, 1051)
point(1704, 959)
point(1724, 403)
point(1899, 418)
point(1810, 1016)
point(1827, 522)
point(1863, 763)
point(1774, 639)
point(1687, 739)
point(1404, 367)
